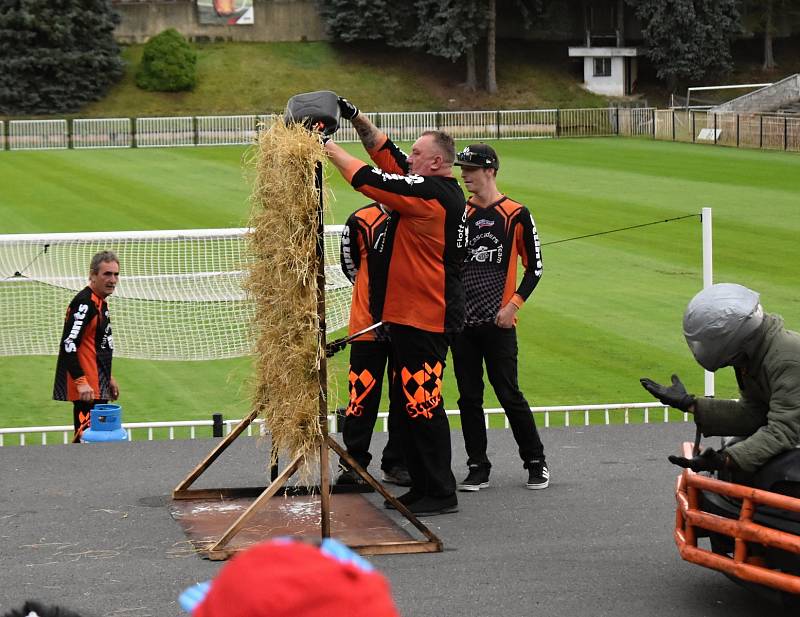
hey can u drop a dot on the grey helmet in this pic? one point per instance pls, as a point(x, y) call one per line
point(718, 321)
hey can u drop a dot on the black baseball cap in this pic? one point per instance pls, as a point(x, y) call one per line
point(478, 155)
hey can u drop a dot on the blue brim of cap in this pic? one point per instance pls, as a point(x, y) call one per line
point(193, 596)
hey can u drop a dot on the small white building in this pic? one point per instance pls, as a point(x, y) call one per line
point(610, 71)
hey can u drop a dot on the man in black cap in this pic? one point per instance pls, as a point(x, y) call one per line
point(500, 231)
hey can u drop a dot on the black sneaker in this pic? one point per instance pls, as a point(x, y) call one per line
point(396, 475)
point(477, 478)
point(406, 499)
point(538, 474)
point(350, 479)
point(431, 506)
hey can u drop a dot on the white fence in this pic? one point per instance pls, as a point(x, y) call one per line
point(38, 135)
point(566, 416)
point(102, 133)
point(402, 126)
point(165, 132)
point(226, 130)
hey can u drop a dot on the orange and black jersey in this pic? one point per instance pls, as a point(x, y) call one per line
point(424, 287)
point(498, 235)
point(364, 254)
point(86, 348)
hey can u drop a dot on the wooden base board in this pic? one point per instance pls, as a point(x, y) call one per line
point(355, 521)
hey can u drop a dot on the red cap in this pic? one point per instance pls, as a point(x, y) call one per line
point(292, 579)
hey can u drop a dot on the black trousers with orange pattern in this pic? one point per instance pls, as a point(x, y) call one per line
point(368, 363)
point(82, 415)
point(417, 404)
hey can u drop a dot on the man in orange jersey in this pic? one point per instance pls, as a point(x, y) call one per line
point(83, 371)
point(424, 302)
point(364, 255)
point(501, 232)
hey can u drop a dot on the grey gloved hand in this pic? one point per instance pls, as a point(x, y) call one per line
point(347, 110)
point(675, 395)
point(708, 460)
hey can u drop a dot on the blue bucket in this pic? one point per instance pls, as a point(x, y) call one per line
point(106, 424)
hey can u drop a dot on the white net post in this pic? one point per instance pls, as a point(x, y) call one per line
point(179, 297)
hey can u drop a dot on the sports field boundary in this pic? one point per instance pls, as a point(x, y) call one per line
point(560, 415)
point(183, 131)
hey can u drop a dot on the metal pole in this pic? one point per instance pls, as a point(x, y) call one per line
point(715, 129)
point(708, 278)
point(216, 427)
point(325, 481)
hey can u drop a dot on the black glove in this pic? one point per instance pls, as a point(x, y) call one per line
point(675, 395)
point(708, 460)
point(347, 110)
point(335, 346)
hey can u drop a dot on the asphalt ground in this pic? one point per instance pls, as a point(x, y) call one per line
point(88, 527)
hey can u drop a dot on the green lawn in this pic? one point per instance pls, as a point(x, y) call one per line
point(607, 311)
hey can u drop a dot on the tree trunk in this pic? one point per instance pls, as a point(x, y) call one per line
point(769, 58)
point(491, 50)
point(472, 74)
point(621, 23)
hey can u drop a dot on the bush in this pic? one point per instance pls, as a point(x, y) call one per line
point(169, 64)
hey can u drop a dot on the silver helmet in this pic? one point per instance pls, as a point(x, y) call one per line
point(718, 321)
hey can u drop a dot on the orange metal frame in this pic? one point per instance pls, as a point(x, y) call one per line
point(744, 531)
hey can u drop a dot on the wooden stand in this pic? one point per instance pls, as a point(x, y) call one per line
point(220, 549)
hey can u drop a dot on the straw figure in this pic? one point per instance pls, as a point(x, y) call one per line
point(282, 282)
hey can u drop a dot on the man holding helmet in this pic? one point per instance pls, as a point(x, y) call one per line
point(725, 325)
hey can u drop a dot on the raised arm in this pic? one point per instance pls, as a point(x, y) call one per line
point(368, 133)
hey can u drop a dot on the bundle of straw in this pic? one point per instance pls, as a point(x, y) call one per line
point(282, 282)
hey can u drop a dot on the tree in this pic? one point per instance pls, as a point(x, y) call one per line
point(56, 55)
point(366, 20)
point(449, 29)
point(771, 18)
point(688, 39)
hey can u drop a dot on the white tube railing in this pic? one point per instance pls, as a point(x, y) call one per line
point(651, 413)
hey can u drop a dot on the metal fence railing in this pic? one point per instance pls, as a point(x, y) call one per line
point(102, 133)
point(562, 416)
point(727, 129)
point(735, 129)
point(163, 132)
point(38, 135)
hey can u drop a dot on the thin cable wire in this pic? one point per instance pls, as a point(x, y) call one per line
point(611, 231)
point(19, 272)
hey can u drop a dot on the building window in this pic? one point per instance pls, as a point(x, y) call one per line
point(602, 67)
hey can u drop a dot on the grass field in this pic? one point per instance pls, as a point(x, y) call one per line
point(607, 311)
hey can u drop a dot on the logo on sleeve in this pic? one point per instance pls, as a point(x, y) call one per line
point(410, 179)
point(77, 324)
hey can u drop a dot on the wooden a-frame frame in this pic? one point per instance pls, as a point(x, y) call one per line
point(220, 549)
